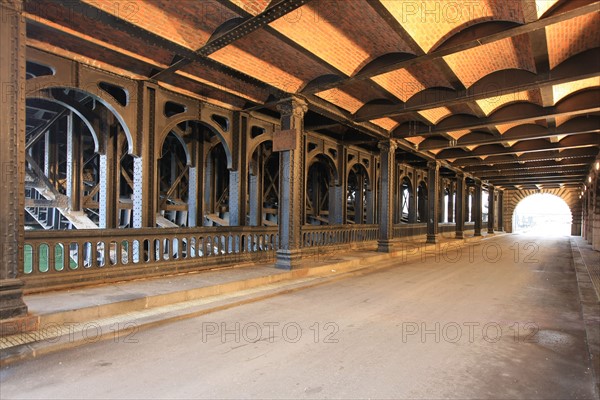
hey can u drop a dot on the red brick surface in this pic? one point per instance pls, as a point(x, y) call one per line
point(434, 115)
point(405, 83)
point(323, 37)
point(492, 104)
point(573, 36)
point(260, 55)
point(431, 22)
point(473, 64)
point(563, 90)
point(253, 7)
point(230, 83)
point(189, 23)
point(342, 99)
point(345, 33)
point(68, 16)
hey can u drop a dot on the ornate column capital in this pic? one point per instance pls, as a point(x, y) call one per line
point(388, 145)
point(293, 106)
point(433, 164)
point(13, 5)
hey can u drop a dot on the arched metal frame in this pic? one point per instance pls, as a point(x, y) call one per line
point(174, 179)
point(177, 120)
point(89, 81)
point(359, 201)
point(204, 170)
point(320, 176)
point(263, 185)
point(217, 184)
point(82, 200)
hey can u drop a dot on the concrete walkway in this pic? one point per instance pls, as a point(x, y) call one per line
point(63, 318)
point(503, 321)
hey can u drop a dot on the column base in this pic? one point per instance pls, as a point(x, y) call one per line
point(385, 246)
point(431, 238)
point(11, 299)
point(490, 231)
point(288, 259)
point(459, 235)
point(477, 233)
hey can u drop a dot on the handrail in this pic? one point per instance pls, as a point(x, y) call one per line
point(63, 258)
point(48, 252)
point(330, 235)
point(79, 233)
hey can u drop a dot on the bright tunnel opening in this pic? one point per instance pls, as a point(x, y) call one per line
point(542, 214)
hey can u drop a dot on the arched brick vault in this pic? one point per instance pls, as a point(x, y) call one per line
point(427, 73)
point(570, 195)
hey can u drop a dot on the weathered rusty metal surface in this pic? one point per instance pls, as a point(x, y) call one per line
point(284, 140)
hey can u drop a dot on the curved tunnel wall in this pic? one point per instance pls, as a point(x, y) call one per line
point(569, 195)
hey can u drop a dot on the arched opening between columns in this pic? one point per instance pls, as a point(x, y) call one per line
point(79, 173)
point(319, 183)
point(359, 200)
point(174, 180)
point(405, 211)
point(193, 176)
point(216, 188)
point(263, 186)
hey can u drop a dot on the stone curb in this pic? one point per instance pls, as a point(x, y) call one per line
point(590, 309)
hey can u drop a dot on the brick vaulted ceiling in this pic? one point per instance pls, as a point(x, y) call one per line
point(505, 90)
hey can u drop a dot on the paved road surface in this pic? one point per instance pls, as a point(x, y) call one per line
point(506, 327)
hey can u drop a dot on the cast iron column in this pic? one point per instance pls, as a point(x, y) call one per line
point(451, 202)
point(74, 167)
point(149, 109)
point(238, 172)
point(500, 210)
point(596, 210)
point(433, 174)
point(289, 142)
point(386, 195)
point(12, 156)
point(460, 205)
point(256, 177)
point(477, 207)
point(491, 211)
